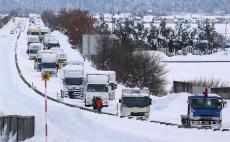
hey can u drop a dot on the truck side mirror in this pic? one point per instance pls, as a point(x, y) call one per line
point(115, 86)
point(119, 100)
point(150, 101)
point(224, 104)
point(187, 101)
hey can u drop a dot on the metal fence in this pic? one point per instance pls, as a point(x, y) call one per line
point(22, 126)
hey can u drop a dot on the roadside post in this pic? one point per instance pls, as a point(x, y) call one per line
point(46, 77)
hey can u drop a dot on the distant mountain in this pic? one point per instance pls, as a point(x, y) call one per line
point(123, 5)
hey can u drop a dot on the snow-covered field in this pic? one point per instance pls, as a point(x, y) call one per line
point(73, 125)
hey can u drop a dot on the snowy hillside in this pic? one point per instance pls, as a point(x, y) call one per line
point(73, 125)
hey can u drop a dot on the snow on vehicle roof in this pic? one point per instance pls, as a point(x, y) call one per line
point(72, 67)
point(36, 44)
point(32, 36)
point(97, 77)
point(135, 92)
point(48, 35)
point(44, 28)
point(49, 58)
point(40, 52)
point(52, 40)
point(56, 49)
point(74, 62)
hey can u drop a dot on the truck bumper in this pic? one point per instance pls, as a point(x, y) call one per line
point(206, 123)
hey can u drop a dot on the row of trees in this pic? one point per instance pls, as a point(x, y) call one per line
point(202, 36)
point(74, 23)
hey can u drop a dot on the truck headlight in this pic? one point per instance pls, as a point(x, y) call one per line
point(146, 114)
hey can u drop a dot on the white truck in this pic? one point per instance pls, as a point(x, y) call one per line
point(32, 39)
point(112, 84)
point(61, 56)
point(135, 103)
point(33, 31)
point(97, 85)
point(33, 49)
point(49, 63)
point(50, 42)
point(43, 32)
point(73, 81)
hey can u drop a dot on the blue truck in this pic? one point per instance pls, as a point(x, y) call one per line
point(204, 112)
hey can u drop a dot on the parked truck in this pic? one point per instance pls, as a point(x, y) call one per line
point(49, 63)
point(33, 49)
point(204, 111)
point(33, 31)
point(38, 59)
point(50, 42)
point(112, 84)
point(73, 81)
point(97, 86)
point(61, 56)
point(135, 103)
point(43, 32)
point(32, 39)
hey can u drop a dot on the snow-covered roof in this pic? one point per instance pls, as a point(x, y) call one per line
point(37, 46)
point(135, 92)
point(73, 68)
point(49, 58)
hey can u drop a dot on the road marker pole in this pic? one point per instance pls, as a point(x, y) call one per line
point(46, 77)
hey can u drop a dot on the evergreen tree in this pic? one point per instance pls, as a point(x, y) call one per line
point(152, 37)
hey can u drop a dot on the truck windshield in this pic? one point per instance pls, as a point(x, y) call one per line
point(48, 65)
point(34, 33)
point(33, 51)
point(206, 103)
point(73, 81)
point(43, 33)
point(50, 45)
point(97, 88)
point(135, 101)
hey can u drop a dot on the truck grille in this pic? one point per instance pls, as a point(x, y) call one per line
point(75, 94)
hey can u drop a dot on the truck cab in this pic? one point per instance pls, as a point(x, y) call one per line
point(33, 31)
point(204, 111)
point(73, 81)
point(32, 39)
point(33, 49)
point(43, 32)
point(49, 63)
point(61, 56)
point(38, 59)
point(97, 85)
point(50, 42)
point(135, 103)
